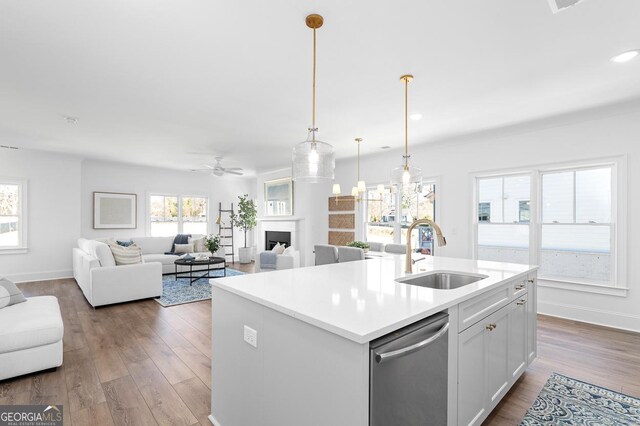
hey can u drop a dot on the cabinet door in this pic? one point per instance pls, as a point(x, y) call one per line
point(518, 336)
point(532, 318)
point(472, 374)
point(498, 376)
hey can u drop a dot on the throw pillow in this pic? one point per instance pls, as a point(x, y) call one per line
point(124, 243)
point(9, 293)
point(278, 249)
point(289, 250)
point(183, 248)
point(198, 244)
point(131, 255)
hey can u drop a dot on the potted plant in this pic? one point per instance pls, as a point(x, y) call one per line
point(359, 244)
point(246, 220)
point(213, 243)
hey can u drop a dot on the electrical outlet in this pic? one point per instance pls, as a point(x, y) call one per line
point(251, 336)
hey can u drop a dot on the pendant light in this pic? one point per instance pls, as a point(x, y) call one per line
point(361, 186)
point(313, 160)
point(406, 174)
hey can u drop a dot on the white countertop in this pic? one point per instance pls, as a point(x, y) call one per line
point(360, 300)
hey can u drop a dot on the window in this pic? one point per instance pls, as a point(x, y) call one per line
point(390, 214)
point(12, 214)
point(418, 202)
point(484, 212)
point(503, 218)
point(577, 229)
point(177, 214)
point(524, 212)
point(563, 219)
point(381, 216)
point(194, 215)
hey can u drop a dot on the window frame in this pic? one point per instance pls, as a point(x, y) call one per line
point(617, 286)
point(397, 200)
point(22, 246)
point(180, 218)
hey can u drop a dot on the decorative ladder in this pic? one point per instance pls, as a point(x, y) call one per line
point(226, 238)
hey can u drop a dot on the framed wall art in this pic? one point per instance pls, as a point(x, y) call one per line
point(278, 197)
point(113, 210)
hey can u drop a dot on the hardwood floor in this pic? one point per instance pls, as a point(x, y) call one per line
point(138, 363)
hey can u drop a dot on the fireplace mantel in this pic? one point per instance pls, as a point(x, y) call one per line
point(279, 219)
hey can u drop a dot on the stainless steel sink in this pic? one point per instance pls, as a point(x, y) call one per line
point(442, 280)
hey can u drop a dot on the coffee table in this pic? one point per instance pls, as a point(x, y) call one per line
point(196, 275)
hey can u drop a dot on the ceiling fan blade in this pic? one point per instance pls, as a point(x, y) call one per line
point(201, 170)
point(231, 172)
point(209, 166)
point(234, 168)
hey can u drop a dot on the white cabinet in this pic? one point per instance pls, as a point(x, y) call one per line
point(532, 318)
point(483, 372)
point(472, 359)
point(518, 336)
point(495, 351)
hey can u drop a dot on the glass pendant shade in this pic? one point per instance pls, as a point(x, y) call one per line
point(362, 187)
point(336, 189)
point(354, 191)
point(313, 161)
point(402, 175)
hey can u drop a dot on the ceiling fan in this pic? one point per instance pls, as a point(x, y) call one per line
point(217, 169)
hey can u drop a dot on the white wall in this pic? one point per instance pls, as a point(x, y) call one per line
point(60, 204)
point(310, 204)
point(53, 213)
point(563, 139)
point(116, 177)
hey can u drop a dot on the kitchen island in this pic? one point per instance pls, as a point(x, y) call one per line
point(292, 347)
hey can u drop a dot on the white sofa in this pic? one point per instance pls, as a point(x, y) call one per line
point(154, 249)
point(283, 261)
point(30, 336)
point(104, 283)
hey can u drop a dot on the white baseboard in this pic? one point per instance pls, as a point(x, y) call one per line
point(629, 322)
point(40, 276)
point(213, 420)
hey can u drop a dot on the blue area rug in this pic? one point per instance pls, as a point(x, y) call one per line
point(566, 401)
point(177, 292)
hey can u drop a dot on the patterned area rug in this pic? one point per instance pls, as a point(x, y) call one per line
point(177, 292)
point(566, 401)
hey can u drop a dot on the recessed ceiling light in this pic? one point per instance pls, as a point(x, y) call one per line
point(415, 116)
point(625, 56)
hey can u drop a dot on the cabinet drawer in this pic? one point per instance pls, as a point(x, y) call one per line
point(472, 311)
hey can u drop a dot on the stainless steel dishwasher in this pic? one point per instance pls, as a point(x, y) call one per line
point(408, 375)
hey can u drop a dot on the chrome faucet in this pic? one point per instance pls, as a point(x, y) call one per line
point(442, 241)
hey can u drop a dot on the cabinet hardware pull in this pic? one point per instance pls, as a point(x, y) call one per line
point(520, 287)
point(495, 325)
point(490, 327)
point(521, 302)
point(531, 281)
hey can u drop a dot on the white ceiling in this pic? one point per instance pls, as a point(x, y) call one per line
point(152, 80)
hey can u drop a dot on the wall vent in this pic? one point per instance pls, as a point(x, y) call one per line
point(559, 5)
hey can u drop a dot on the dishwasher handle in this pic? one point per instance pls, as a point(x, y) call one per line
point(388, 356)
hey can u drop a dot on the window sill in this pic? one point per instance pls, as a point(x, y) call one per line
point(585, 287)
point(14, 250)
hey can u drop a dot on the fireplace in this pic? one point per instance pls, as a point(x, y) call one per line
point(272, 238)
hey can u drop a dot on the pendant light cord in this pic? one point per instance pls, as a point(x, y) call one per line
point(313, 114)
point(358, 160)
point(406, 124)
